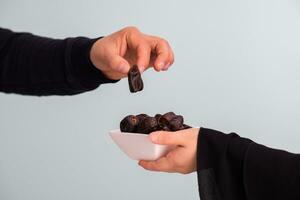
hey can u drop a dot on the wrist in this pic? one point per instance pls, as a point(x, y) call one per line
point(84, 70)
point(93, 54)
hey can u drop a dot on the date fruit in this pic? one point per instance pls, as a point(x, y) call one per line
point(165, 119)
point(135, 79)
point(145, 124)
point(176, 123)
point(141, 117)
point(148, 125)
point(129, 123)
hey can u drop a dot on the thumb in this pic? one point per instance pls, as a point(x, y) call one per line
point(119, 64)
point(167, 138)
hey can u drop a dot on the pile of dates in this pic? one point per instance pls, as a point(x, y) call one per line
point(146, 124)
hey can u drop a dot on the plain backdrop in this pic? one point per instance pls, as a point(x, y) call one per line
point(237, 69)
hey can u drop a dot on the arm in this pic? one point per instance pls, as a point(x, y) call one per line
point(36, 65)
point(245, 170)
point(42, 66)
point(229, 167)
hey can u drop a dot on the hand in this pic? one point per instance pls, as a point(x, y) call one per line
point(114, 54)
point(182, 159)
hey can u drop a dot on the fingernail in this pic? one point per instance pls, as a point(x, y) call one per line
point(167, 66)
point(160, 65)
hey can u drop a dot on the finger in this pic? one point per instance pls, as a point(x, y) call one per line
point(170, 59)
point(168, 138)
point(119, 64)
point(163, 165)
point(161, 48)
point(143, 56)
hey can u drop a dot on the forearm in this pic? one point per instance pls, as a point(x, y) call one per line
point(42, 66)
point(243, 169)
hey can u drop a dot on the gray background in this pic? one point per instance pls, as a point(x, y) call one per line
point(237, 69)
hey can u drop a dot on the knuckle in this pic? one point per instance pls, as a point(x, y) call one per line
point(132, 29)
point(163, 42)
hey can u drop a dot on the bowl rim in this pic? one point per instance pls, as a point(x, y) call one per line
point(118, 131)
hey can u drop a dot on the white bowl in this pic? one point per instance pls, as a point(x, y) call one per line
point(138, 146)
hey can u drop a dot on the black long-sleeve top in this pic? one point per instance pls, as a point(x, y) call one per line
point(235, 168)
point(36, 65)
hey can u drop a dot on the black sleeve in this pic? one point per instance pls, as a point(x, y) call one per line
point(235, 168)
point(36, 65)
